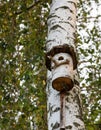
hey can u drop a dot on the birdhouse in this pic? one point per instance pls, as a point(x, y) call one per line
point(62, 72)
point(61, 49)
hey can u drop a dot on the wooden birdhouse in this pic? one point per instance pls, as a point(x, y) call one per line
point(62, 72)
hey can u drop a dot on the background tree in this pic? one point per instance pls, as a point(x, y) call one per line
point(89, 52)
point(22, 71)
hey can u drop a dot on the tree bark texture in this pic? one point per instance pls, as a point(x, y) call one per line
point(63, 91)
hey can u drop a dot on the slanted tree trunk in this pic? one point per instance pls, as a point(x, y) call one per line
point(63, 91)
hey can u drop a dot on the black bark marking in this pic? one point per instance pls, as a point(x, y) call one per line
point(69, 18)
point(53, 16)
point(76, 82)
point(50, 109)
point(72, 3)
point(62, 128)
point(50, 41)
point(57, 109)
point(68, 127)
point(67, 23)
point(67, 107)
point(76, 124)
point(70, 112)
point(79, 117)
point(55, 126)
point(54, 27)
point(77, 98)
point(65, 7)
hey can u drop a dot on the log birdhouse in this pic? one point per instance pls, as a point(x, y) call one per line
point(62, 71)
point(61, 61)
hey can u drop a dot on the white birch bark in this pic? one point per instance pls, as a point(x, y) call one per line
point(73, 108)
point(61, 23)
point(61, 31)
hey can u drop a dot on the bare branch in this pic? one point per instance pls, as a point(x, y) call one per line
point(28, 8)
point(84, 61)
point(90, 17)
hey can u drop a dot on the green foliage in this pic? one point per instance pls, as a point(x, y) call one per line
point(22, 66)
point(89, 55)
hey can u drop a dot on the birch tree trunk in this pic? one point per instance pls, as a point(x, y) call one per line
point(63, 91)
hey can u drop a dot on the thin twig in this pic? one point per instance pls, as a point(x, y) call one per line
point(28, 8)
point(90, 17)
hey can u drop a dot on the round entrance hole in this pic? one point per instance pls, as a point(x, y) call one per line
point(61, 58)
